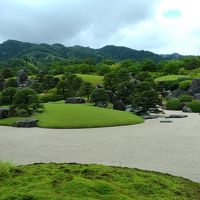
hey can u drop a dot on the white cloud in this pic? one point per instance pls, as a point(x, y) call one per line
point(162, 26)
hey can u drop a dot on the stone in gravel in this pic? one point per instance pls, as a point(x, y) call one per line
point(195, 87)
point(176, 116)
point(150, 117)
point(166, 121)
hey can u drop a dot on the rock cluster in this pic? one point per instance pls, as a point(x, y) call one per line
point(26, 123)
point(119, 105)
point(75, 100)
point(195, 87)
point(177, 116)
point(4, 112)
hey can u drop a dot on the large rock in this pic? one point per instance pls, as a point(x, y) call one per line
point(186, 109)
point(150, 116)
point(119, 105)
point(176, 116)
point(166, 121)
point(22, 77)
point(102, 104)
point(4, 112)
point(75, 100)
point(197, 96)
point(195, 87)
point(26, 123)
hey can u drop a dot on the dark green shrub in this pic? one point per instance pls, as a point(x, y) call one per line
point(185, 98)
point(173, 104)
point(99, 95)
point(168, 85)
point(184, 85)
point(194, 105)
point(27, 100)
point(173, 85)
point(8, 95)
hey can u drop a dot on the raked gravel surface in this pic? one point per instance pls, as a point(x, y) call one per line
point(172, 148)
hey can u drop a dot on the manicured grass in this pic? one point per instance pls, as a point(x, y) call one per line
point(169, 78)
point(60, 115)
point(94, 79)
point(90, 182)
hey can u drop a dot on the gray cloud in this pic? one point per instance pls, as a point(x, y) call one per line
point(84, 22)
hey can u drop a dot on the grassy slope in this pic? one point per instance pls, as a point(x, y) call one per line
point(169, 78)
point(95, 79)
point(60, 115)
point(89, 182)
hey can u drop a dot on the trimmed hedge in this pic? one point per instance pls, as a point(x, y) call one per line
point(194, 105)
point(184, 85)
point(173, 104)
point(185, 98)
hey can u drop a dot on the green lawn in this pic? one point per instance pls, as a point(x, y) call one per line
point(90, 182)
point(94, 79)
point(60, 115)
point(169, 78)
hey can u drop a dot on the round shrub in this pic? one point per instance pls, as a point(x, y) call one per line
point(185, 98)
point(99, 95)
point(173, 104)
point(169, 85)
point(184, 85)
point(194, 105)
point(173, 85)
point(26, 100)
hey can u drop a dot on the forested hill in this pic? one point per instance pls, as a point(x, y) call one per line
point(13, 49)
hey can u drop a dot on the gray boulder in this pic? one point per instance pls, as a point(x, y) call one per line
point(26, 123)
point(166, 121)
point(186, 109)
point(195, 87)
point(176, 116)
point(150, 116)
point(4, 112)
point(119, 105)
point(102, 104)
point(129, 108)
point(22, 77)
point(197, 96)
point(75, 100)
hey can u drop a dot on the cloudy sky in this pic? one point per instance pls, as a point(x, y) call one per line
point(161, 26)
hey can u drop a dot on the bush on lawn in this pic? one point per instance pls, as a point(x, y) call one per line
point(185, 98)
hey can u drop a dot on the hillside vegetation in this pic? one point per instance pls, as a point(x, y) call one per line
point(12, 49)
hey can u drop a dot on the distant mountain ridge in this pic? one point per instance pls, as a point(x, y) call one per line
point(13, 49)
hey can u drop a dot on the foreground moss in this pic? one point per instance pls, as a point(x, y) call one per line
point(60, 115)
point(89, 182)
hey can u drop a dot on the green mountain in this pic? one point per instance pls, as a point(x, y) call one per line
point(13, 49)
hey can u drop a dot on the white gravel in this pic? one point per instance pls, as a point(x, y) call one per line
point(165, 147)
